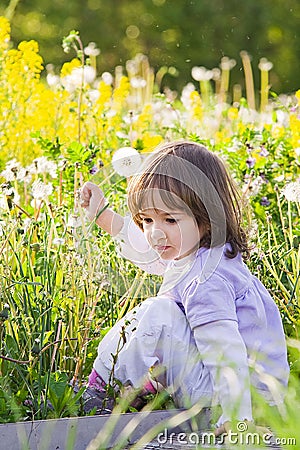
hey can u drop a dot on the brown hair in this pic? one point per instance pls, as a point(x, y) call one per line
point(188, 174)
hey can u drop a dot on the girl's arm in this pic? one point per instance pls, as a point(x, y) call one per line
point(223, 352)
point(131, 241)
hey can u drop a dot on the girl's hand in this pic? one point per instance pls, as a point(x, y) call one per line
point(92, 199)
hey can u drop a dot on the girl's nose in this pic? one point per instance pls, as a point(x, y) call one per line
point(157, 234)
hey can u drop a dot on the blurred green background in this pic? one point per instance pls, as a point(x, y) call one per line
point(175, 33)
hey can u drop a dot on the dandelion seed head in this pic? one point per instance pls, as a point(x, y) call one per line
point(43, 165)
point(74, 221)
point(41, 190)
point(126, 161)
point(292, 191)
point(11, 170)
point(24, 175)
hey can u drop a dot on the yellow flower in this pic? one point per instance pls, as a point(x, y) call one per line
point(144, 119)
point(295, 130)
point(196, 103)
point(103, 101)
point(233, 113)
point(120, 93)
point(297, 95)
point(278, 131)
point(222, 136)
point(150, 141)
point(4, 33)
point(31, 60)
point(69, 66)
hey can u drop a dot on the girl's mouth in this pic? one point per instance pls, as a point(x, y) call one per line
point(162, 248)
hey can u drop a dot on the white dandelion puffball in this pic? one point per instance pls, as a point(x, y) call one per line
point(126, 161)
point(292, 191)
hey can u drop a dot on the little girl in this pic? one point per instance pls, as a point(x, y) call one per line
point(213, 331)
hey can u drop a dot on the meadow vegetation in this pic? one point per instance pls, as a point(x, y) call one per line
point(62, 283)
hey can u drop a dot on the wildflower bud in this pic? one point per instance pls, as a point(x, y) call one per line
point(35, 247)
point(36, 347)
point(4, 312)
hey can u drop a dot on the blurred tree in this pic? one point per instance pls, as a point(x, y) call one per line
point(170, 32)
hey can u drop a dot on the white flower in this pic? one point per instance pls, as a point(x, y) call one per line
point(40, 190)
point(279, 178)
point(74, 221)
point(58, 241)
point(79, 76)
point(107, 78)
point(201, 73)
point(227, 63)
point(87, 75)
point(3, 202)
point(186, 95)
point(26, 224)
point(292, 191)
point(93, 94)
point(91, 49)
point(265, 65)
point(126, 161)
point(53, 80)
point(138, 82)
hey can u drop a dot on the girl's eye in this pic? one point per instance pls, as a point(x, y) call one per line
point(170, 220)
point(146, 220)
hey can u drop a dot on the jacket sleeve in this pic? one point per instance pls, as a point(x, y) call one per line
point(132, 245)
point(223, 352)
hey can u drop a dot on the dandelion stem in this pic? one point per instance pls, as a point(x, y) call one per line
point(248, 79)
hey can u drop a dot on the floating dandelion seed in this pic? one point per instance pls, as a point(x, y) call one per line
point(126, 161)
point(292, 191)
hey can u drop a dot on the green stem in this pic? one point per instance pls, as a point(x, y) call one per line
point(10, 10)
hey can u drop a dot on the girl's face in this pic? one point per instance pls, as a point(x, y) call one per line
point(172, 233)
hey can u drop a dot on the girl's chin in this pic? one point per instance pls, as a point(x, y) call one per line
point(167, 253)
